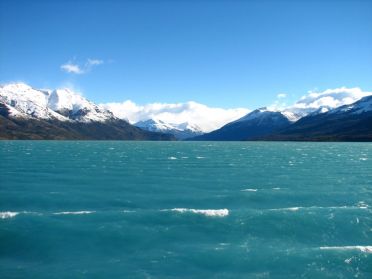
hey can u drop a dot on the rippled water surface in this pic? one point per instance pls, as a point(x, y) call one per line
point(185, 210)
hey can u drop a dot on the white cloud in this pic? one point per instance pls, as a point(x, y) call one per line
point(325, 100)
point(331, 98)
point(74, 68)
point(94, 62)
point(207, 118)
point(281, 95)
point(71, 68)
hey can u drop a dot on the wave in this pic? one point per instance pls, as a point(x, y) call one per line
point(207, 212)
point(317, 207)
point(8, 214)
point(249, 190)
point(365, 249)
point(286, 209)
point(73, 212)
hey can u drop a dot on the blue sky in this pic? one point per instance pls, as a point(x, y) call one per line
point(220, 53)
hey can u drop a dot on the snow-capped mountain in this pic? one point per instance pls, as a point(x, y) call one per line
point(321, 102)
point(22, 100)
point(76, 107)
point(28, 113)
point(257, 123)
point(180, 131)
point(351, 122)
point(364, 105)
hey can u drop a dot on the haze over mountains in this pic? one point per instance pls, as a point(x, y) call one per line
point(28, 113)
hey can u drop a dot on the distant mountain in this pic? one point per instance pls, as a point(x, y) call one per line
point(257, 123)
point(346, 123)
point(28, 113)
point(180, 131)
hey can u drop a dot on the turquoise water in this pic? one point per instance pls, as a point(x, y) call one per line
point(185, 210)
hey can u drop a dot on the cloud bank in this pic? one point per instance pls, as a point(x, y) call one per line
point(330, 98)
point(74, 68)
point(207, 118)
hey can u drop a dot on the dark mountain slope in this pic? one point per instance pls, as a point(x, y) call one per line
point(257, 123)
point(347, 123)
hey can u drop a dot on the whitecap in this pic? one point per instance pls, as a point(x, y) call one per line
point(73, 212)
point(207, 212)
point(8, 214)
point(365, 249)
point(172, 158)
point(200, 157)
point(320, 207)
point(286, 209)
point(276, 188)
point(249, 190)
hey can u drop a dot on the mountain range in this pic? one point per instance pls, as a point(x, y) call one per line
point(346, 123)
point(28, 113)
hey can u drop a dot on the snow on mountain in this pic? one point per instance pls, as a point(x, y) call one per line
point(361, 106)
point(321, 102)
point(21, 100)
point(257, 123)
point(154, 125)
point(252, 115)
point(180, 131)
point(190, 127)
point(204, 117)
point(76, 107)
point(268, 112)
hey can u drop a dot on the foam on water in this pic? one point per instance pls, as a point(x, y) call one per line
point(364, 249)
point(8, 214)
point(73, 212)
point(249, 190)
point(207, 212)
point(296, 208)
point(286, 209)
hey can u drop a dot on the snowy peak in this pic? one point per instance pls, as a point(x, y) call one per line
point(253, 114)
point(21, 100)
point(76, 107)
point(154, 125)
point(180, 131)
point(263, 114)
point(361, 106)
point(65, 99)
point(187, 126)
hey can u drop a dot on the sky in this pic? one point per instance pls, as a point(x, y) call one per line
point(223, 54)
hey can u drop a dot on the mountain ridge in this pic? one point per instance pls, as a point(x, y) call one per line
point(28, 113)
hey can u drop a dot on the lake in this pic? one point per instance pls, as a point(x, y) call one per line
point(111, 209)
